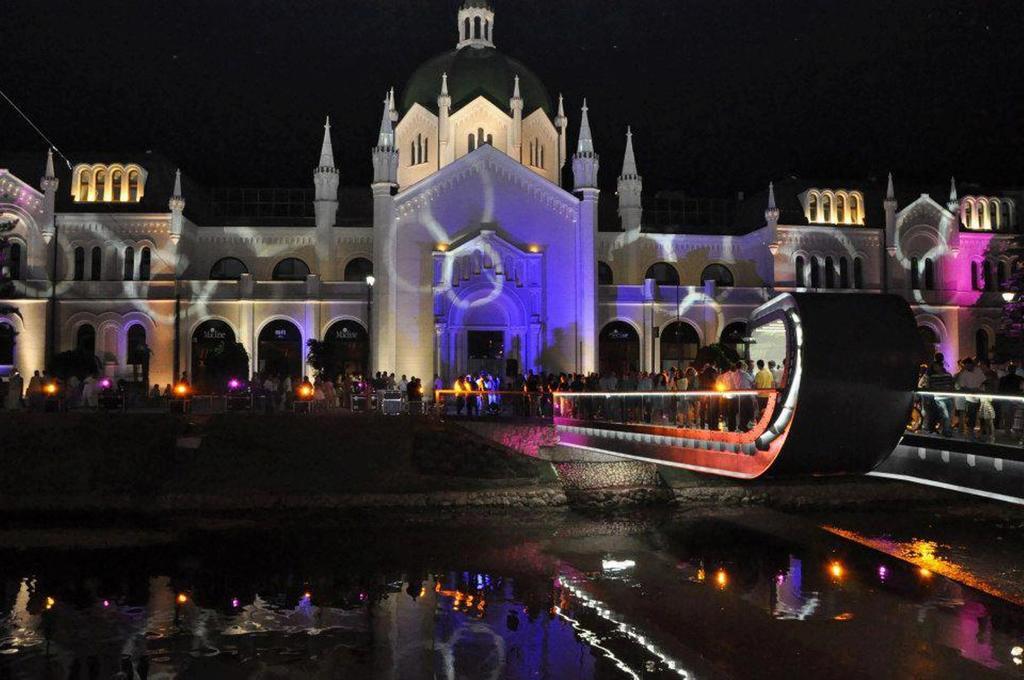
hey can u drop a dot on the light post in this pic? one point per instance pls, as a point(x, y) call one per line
point(370, 280)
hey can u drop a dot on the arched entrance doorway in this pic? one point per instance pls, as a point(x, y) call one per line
point(981, 345)
point(679, 345)
point(929, 344)
point(349, 348)
point(280, 349)
point(209, 341)
point(735, 336)
point(618, 348)
point(7, 336)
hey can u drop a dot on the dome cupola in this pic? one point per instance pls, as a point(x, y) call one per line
point(476, 24)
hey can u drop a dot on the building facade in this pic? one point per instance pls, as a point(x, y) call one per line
point(468, 252)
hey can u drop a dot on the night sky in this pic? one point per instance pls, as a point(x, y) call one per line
point(722, 94)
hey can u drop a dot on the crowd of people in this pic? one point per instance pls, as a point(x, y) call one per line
point(974, 415)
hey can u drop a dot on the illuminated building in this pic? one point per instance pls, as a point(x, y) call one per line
point(484, 257)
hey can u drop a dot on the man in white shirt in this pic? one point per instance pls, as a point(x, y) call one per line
point(970, 379)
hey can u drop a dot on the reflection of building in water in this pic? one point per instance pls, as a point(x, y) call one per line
point(483, 256)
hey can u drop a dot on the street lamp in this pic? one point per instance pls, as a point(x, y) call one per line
point(370, 280)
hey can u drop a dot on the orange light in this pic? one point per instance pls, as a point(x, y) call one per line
point(720, 386)
point(534, 248)
point(51, 388)
point(721, 578)
point(50, 602)
point(925, 573)
point(836, 569)
point(308, 595)
point(442, 247)
point(181, 389)
point(182, 598)
point(305, 391)
point(701, 575)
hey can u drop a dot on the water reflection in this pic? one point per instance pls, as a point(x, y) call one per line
point(680, 598)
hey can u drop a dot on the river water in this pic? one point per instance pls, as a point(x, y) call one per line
point(704, 594)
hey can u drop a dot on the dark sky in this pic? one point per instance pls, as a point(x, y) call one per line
point(722, 94)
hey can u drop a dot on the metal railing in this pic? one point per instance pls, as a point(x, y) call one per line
point(984, 417)
point(503, 403)
point(697, 411)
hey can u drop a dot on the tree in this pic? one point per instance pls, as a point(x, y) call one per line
point(322, 357)
point(227, 361)
point(719, 355)
point(75, 362)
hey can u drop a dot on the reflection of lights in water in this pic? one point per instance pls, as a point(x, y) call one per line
point(629, 631)
point(836, 570)
point(925, 573)
point(721, 578)
point(1017, 652)
point(617, 565)
point(883, 573)
point(50, 602)
point(182, 598)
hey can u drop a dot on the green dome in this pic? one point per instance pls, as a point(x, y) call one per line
point(473, 72)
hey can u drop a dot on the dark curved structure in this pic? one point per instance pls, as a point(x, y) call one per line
point(848, 389)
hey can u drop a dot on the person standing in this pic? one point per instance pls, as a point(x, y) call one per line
point(940, 380)
point(970, 379)
point(15, 387)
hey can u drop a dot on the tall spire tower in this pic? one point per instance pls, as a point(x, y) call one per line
point(585, 161)
point(325, 180)
point(48, 183)
point(629, 189)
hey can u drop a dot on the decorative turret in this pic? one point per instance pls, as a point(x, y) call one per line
point(444, 108)
point(476, 24)
point(516, 133)
point(585, 161)
point(771, 220)
point(177, 205)
point(629, 189)
point(561, 123)
point(890, 217)
point(954, 202)
point(326, 179)
point(385, 155)
point(48, 183)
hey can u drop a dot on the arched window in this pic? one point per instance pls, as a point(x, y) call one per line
point(412, 153)
point(604, 274)
point(96, 266)
point(465, 29)
point(975, 278)
point(78, 272)
point(115, 185)
point(487, 30)
point(471, 142)
point(812, 207)
point(14, 261)
point(476, 27)
point(85, 339)
point(993, 215)
point(129, 263)
point(1004, 215)
point(854, 209)
point(7, 336)
point(929, 274)
point(718, 273)
point(858, 273)
point(542, 158)
point(290, 269)
point(228, 269)
point(679, 345)
point(133, 185)
point(844, 273)
point(663, 274)
point(145, 263)
point(426, 150)
point(830, 272)
point(981, 214)
point(840, 208)
point(915, 274)
point(84, 180)
point(137, 349)
point(358, 269)
point(826, 208)
point(981, 344)
point(967, 214)
point(986, 275)
point(815, 273)
point(801, 276)
point(101, 179)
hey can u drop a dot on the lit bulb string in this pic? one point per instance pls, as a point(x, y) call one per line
point(35, 127)
point(602, 610)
